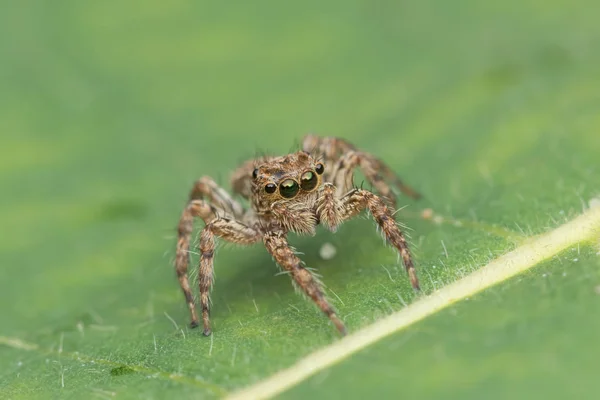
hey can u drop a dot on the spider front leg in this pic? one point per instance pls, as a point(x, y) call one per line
point(277, 245)
point(206, 187)
point(332, 211)
point(194, 209)
point(230, 230)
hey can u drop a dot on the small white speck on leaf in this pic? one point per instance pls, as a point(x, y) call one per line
point(427, 213)
point(595, 202)
point(327, 251)
point(597, 289)
point(80, 328)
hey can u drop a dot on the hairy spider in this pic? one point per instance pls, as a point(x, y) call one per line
point(292, 193)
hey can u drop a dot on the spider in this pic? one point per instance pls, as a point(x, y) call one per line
point(292, 193)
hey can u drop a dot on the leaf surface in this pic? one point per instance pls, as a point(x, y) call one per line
point(110, 110)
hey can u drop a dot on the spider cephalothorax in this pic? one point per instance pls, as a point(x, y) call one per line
point(285, 191)
point(292, 193)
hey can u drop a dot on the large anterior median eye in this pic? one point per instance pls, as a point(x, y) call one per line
point(289, 188)
point(308, 181)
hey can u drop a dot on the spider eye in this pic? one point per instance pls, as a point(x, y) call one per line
point(270, 188)
point(320, 168)
point(255, 174)
point(289, 188)
point(308, 181)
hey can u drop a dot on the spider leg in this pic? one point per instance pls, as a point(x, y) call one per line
point(206, 188)
point(230, 230)
point(195, 208)
point(328, 147)
point(277, 245)
point(204, 191)
point(241, 179)
point(332, 211)
point(344, 158)
point(374, 170)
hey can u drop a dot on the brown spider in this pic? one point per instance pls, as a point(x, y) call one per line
point(293, 193)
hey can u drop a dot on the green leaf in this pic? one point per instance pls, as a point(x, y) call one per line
point(110, 110)
point(533, 337)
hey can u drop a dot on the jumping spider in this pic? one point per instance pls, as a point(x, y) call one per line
point(292, 193)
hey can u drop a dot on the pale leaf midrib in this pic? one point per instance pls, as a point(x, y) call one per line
point(584, 228)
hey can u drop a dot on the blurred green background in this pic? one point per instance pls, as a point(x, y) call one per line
point(109, 110)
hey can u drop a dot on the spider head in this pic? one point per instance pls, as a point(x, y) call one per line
point(292, 178)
